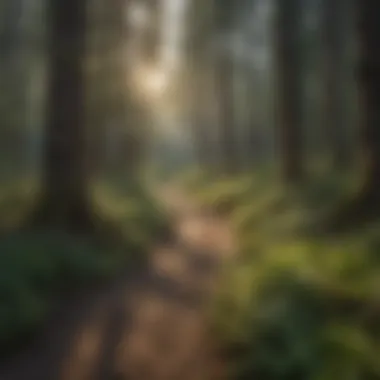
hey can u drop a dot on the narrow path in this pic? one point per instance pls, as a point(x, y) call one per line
point(148, 326)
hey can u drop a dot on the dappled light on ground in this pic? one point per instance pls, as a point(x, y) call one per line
point(168, 263)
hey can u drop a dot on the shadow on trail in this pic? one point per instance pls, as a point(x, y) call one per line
point(149, 325)
point(118, 321)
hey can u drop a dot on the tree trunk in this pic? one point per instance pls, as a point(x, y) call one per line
point(334, 37)
point(224, 71)
point(65, 201)
point(97, 89)
point(289, 85)
point(198, 62)
point(366, 204)
point(368, 12)
point(14, 76)
point(224, 77)
point(151, 34)
point(11, 11)
point(197, 104)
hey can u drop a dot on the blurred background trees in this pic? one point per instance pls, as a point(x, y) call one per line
point(275, 102)
point(255, 80)
point(236, 49)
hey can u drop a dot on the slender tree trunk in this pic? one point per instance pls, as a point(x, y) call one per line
point(198, 61)
point(366, 204)
point(197, 104)
point(228, 143)
point(224, 71)
point(334, 36)
point(288, 89)
point(254, 119)
point(117, 76)
point(151, 37)
point(65, 200)
point(98, 80)
point(200, 132)
point(368, 12)
point(13, 82)
point(11, 11)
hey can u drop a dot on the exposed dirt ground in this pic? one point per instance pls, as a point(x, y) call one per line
point(148, 325)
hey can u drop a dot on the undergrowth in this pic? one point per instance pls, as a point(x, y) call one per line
point(293, 306)
point(37, 266)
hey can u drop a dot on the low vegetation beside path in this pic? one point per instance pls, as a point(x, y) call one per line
point(37, 266)
point(294, 306)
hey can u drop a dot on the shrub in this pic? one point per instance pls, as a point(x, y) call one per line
point(292, 307)
point(301, 311)
point(36, 267)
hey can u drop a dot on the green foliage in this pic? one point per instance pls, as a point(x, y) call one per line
point(131, 208)
point(35, 267)
point(293, 307)
point(225, 195)
point(38, 266)
point(302, 310)
point(193, 178)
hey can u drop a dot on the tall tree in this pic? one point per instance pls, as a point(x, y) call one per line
point(368, 12)
point(116, 69)
point(98, 83)
point(198, 64)
point(334, 33)
point(289, 87)
point(14, 76)
point(64, 198)
point(224, 71)
point(366, 204)
point(151, 33)
point(10, 12)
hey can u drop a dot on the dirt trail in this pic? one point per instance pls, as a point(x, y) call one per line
point(147, 326)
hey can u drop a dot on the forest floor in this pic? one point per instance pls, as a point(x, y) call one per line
point(151, 324)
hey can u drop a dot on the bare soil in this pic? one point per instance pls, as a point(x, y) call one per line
point(151, 324)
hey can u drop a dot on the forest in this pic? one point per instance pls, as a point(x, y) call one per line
point(188, 189)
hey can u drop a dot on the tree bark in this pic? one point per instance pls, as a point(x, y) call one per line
point(65, 200)
point(197, 103)
point(224, 72)
point(224, 77)
point(289, 88)
point(334, 37)
point(98, 83)
point(11, 11)
point(365, 205)
point(368, 12)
